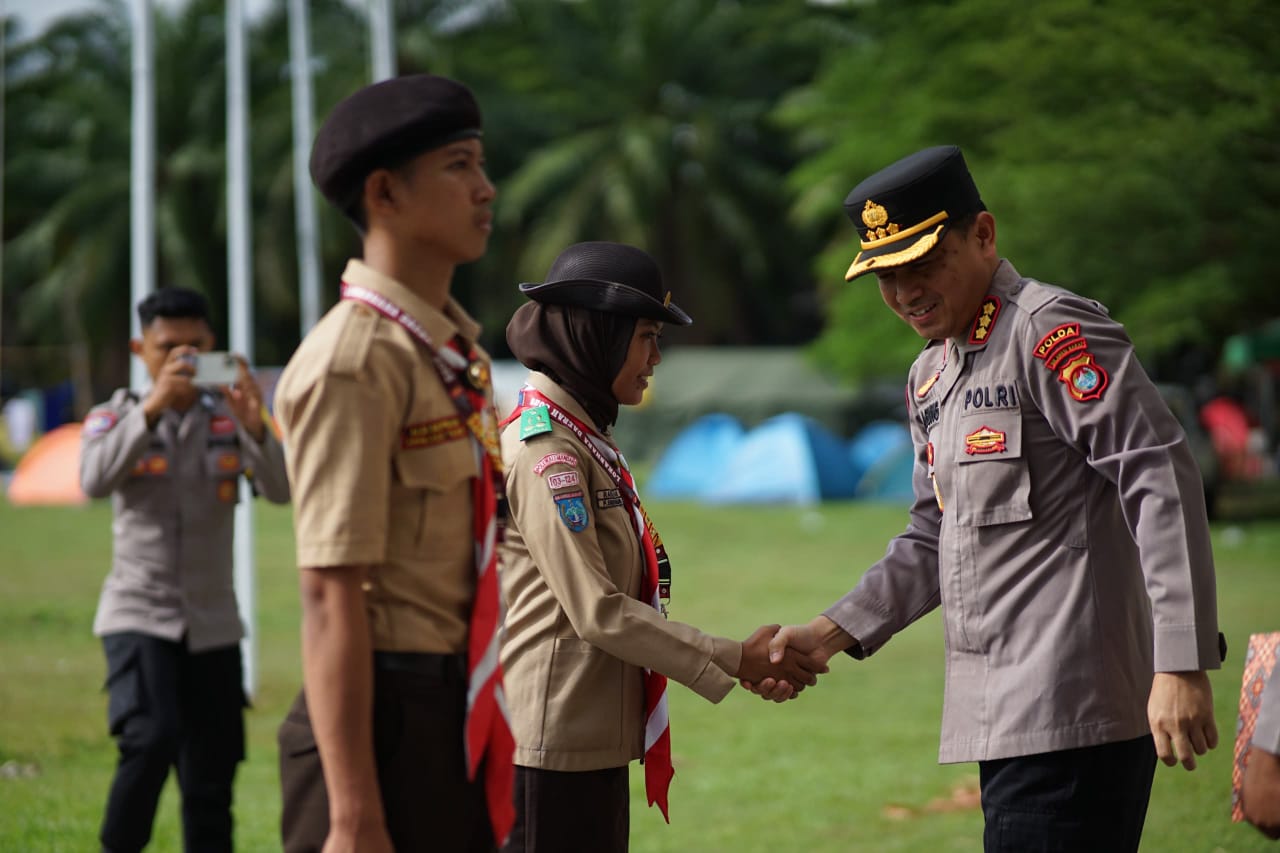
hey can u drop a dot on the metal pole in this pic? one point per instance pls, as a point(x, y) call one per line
point(382, 39)
point(240, 309)
point(304, 200)
point(142, 194)
point(4, 61)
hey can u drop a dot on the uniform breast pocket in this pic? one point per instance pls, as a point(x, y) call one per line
point(993, 481)
point(431, 499)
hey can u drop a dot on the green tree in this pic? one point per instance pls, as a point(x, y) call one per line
point(1127, 150)
point(648, 123)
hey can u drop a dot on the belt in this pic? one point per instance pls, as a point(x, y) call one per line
point(447, 668)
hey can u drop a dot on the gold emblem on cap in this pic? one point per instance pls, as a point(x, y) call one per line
point(666, 302)
point(876, 218)
point(874, 215)
point(478, 375)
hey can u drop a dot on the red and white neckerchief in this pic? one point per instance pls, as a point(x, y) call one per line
point(655, 587)
point(488, 725)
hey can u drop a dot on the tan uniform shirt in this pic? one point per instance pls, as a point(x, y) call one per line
point(173, 495)
point(381, 465)
point(577, 636)
point(1071, 557)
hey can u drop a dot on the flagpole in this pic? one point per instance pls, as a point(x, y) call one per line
point(142, 243)
point(382, 39)
point(304, 202)
point(240, 310)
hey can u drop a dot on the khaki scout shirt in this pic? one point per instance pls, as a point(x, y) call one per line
point(1071, 557)
point(577, 636)
point(381, 465)
point(173, 493)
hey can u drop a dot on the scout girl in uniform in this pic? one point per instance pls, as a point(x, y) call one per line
point(588, 649)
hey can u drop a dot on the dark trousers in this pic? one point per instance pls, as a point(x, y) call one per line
point(419, 709)
point(168, 707)
point(1092, 800)
point(586, 811)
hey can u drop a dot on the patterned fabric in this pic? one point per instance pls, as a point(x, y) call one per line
point(488, 727)
point(1259, 661)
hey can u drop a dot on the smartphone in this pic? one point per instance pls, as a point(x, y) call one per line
point(216, 368)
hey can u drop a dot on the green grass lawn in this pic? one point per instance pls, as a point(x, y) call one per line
point(851, 766)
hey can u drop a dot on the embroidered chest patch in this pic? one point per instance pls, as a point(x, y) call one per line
point(608, 498)
point(985, 440)
point(573, 512)
point(431, 433)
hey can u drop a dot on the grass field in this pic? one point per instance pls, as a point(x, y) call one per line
point(851, 766)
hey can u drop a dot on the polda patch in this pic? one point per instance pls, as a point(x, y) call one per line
point(573, 511)
point(554, 459)
point(1085, 379)
point(98, 423)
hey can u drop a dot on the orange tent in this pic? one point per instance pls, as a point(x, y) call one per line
point(49, 473)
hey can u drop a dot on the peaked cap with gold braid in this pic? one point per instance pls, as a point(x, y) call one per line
point(904, 210)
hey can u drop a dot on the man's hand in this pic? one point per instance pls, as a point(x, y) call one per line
point(172, 384)
point(245, 400)
point(818, 640)
point(1260, 793)
point(1180, 711)
point(794, 669)
point(370, 837)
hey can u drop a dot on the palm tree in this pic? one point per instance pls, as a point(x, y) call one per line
point(648, 122)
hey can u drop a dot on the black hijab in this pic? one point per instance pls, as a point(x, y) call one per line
point(581, 349)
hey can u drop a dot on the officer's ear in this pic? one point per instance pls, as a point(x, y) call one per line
point(135, 346)
point(984, 233)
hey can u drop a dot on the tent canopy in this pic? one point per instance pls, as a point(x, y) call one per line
point(49, 473)
point(788, 459)
point(696, 458)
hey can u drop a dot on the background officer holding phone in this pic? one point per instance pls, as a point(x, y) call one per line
point(171, 459)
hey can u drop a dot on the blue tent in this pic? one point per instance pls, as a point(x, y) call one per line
point(788, 459)
point(876, 441)
point(694, 460)
point(889, 479)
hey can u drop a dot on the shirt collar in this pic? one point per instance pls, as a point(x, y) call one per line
point(550, 389)
point(440, 325)
point(1003, 284)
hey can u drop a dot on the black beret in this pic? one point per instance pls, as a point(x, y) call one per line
point(904, 210)
point(611, 277)
point(386, 124)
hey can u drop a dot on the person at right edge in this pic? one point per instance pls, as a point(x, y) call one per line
point(399, 739)
point(1059, 521)
point(1261, 791)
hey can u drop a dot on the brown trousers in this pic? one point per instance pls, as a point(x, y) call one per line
point(586, 811)
point(428, 802)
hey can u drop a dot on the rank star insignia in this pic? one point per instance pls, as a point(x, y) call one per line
point(985, 321)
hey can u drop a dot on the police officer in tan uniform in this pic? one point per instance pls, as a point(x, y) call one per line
point(171, 460)
point(385, 469)
point(1059, 521)
point(585, 576)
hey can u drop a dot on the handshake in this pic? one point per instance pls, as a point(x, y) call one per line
point(778, 663)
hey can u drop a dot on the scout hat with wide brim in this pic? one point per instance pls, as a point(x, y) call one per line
point(905, 209)
point(611, 277)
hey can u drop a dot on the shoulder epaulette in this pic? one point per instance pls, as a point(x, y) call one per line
point(354, 341)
